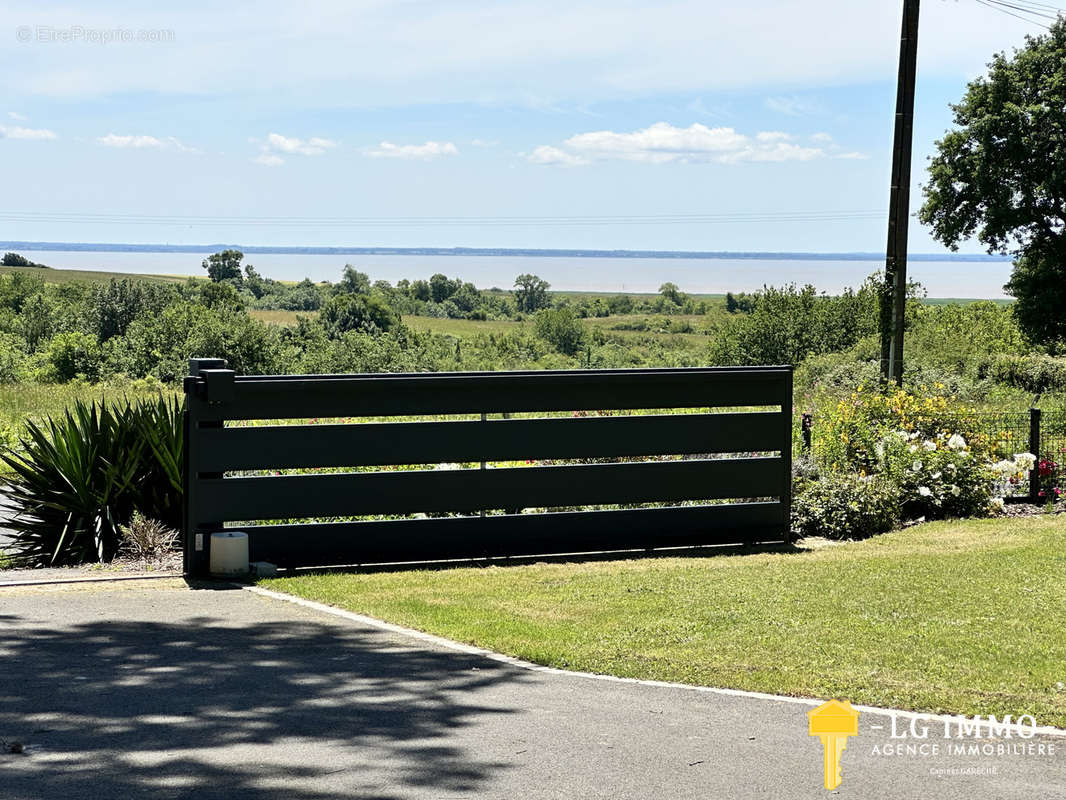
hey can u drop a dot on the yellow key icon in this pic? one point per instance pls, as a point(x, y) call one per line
point(833, 722)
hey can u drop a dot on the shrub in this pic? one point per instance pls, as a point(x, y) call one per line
point(845, 505)
point(146, 540)
point(72, 355)
point(357, 312)
point(848, 430)
point(937, 476)
point(12, 357)
point(561, 328)
point(79, 476)
point(162, 345)
point(112, 307)
point(1034, 373)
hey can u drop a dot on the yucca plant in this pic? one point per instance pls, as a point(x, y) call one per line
point(79, 476)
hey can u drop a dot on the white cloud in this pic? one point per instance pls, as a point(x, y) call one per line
point(144, 142)
point(17, 116)
point(853, 156)
point(658, 143)
point(426, 152)
point(315, 146)
point(17, 132)
point(546, 154)
point(663, 143)
point(276, 144)
point(777, 151)
point(821, 136)
point(269, 160)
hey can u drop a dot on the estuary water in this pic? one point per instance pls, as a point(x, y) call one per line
point(963, 279)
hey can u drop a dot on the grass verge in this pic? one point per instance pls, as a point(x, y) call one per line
point(956, 617)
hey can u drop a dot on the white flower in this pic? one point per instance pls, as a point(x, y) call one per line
point(955, 490)
point(1005, 468)
point(1024, 461)
point(902, 435)
point(925, 491)
point(935, 476)
point(929, 446)
point(913, 448)
point(917, 466)
point(949, 467)
point(997, 504)
point(956, 442)
point(913, 436)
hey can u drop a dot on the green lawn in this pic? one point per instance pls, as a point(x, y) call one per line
point(963, 617)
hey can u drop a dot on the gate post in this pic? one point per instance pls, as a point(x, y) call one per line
point(1034, 448)
point(197, 551)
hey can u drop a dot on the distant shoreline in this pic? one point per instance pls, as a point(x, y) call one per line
point(115, 247)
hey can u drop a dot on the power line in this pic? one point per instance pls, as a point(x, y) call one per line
point(1033, 14)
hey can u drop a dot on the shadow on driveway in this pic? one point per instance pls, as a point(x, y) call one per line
point(138, 694)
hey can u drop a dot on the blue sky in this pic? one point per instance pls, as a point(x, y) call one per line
point(180, 124)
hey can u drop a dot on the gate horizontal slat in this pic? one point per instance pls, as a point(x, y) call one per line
point(514, 535)
point(363, 493)
point(294, 446)
point(474, 393)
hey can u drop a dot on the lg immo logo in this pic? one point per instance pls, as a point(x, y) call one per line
point(835, 721)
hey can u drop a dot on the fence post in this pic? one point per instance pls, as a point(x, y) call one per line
point(806, 426)
point(196, 559)
point(1034, 448)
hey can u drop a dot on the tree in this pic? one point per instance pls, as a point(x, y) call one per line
point(221, 296)
point(1000, 175)
point(357, 312)
point(224, 266)
point(561, 328)
point(111, 308)
point(254, 282)
point(441, 289)
point(353, 281)
point(15, 260)
point(672, 294)
point(531, 293)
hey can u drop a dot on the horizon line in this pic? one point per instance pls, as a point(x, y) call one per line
point(532, 252)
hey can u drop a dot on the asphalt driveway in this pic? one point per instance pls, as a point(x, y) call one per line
point(158, 691)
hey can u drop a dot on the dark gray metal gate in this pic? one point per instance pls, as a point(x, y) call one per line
point(740, 456)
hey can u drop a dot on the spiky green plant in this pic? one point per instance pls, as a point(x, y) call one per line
point(81, 475)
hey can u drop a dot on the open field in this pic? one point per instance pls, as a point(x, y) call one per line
point(278, 317)
point(36, 401)
point(960, 616)
point(86, 275)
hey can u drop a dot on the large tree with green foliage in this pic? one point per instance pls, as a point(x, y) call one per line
point(224, 266)
point(1000, 175)
point(531, 293)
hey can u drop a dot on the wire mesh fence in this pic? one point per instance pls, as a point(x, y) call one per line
point(1001, 435)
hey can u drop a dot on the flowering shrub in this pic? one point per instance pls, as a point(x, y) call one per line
point(938, 476)
point(844, 505)
point(1052, 480)
point(849, 430)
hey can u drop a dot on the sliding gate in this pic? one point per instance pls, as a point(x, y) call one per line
point(331, 469)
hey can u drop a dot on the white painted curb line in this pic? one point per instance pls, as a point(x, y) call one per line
point(440, 641)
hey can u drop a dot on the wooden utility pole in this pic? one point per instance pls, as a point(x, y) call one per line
point(894, 292)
